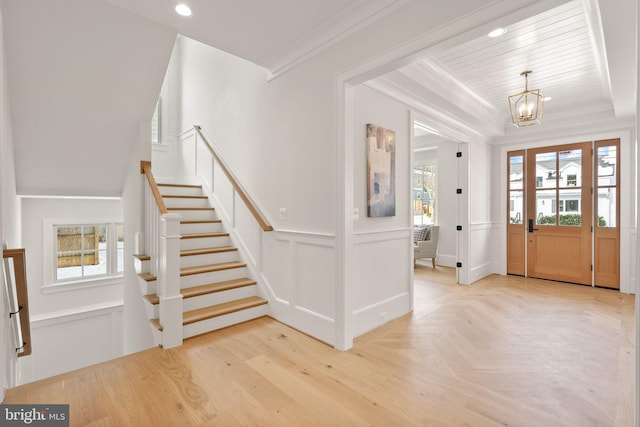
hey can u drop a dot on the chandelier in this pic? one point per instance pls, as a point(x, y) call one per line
point(527, 106)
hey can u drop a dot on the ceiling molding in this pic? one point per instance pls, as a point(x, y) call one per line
point(446, 124)
point(438, 80)
point(594, 22)
point(327, 31)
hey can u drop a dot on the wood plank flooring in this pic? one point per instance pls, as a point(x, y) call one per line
point(506, 351)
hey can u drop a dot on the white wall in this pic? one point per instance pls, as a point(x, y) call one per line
point(71, 327)
point(481, 228)
point(8, 222)
point(383, 250)
point(137, 334)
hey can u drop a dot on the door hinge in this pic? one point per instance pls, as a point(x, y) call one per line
point(459, 154)
point(458, 264)
point(458, 190)
point(591, 267)
point(591, 190)
point(592, 228)
point(459, 227)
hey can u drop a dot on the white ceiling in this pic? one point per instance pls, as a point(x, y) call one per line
point(81, 75)
point(277, 34)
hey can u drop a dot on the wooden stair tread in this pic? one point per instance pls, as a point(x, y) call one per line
point(180, 185)
point(187, 271)
point(179, 196)
point(210, 288)
point(196, 291)
point(142, 257)
point(205, 251)
point(152, 298)
point(203, 235)
point(190, 209)
point(147, 277)
point(202, 221)
point(221, 309)
point(156, 324)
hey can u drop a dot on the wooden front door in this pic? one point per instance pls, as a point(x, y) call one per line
point(559, 213)
point(563, 213)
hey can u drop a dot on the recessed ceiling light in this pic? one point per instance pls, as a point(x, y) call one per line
point(497, 32)
point(183, 9)
point(548, 98)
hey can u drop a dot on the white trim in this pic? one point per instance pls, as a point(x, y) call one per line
point(77, 313)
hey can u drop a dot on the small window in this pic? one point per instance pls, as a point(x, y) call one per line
point(572, 180)
point(156, 127)
point(538, 181)
point(87, 251)
point(572, 206)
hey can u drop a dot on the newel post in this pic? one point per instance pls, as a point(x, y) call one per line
point(169, 281)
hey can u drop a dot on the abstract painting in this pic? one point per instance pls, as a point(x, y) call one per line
point(381, 171)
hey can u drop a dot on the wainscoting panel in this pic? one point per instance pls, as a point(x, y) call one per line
point(248, 230)
point(381, 281)
point(187, 149)
point(482, 258)
point(66, 341)
point(299, 277)
point(314, 275)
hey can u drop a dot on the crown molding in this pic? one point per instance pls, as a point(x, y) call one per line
point(327, 31)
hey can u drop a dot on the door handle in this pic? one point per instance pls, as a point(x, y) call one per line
point(531, 229)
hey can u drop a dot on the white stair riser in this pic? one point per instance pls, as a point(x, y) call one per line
point(204, 242)
point(180, 191)
point(175, 202)
point(214, 298)
point(141, 266)
point(213, 277)
point(147, 288)
point(215, 227)
point(196, 260)
point(195, 215)
point(153, 310)
point(224, 321)
point(157, 335)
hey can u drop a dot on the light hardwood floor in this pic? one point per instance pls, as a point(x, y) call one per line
point(506, 351)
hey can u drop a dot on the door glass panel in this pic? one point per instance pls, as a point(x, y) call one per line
point(545, 207)
point(607, 207)
point(607, 167)
point(570, 210)
point(546, 170)
point(516, 207)
point(570, 168)
point(516, 177)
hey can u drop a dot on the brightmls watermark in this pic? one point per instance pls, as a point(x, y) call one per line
point(34, 415)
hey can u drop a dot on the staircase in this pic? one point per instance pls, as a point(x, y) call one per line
point(215, 284)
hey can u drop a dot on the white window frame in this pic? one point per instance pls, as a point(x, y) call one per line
point(112, 277)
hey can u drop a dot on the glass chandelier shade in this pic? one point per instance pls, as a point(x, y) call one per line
point(527, 106)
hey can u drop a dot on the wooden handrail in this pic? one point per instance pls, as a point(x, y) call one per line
point(243, 195)
point(20, 270)
point(145, 168)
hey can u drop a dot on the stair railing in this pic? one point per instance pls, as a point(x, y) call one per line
point(15, 274)
point(162, 245)
point(240, 191)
